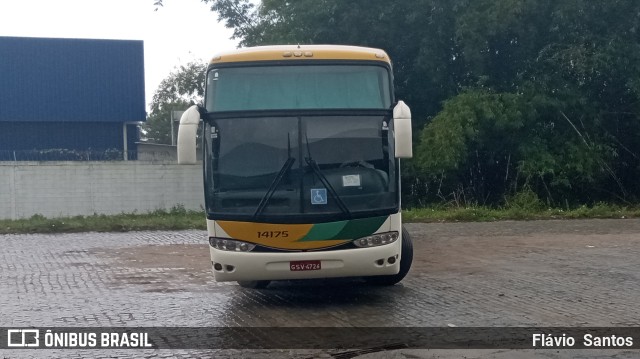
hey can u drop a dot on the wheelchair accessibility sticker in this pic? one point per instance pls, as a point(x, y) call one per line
point(318, 196)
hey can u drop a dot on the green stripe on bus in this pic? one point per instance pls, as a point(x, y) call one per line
point(324, 231)
point(355, 228)
point(359, 228)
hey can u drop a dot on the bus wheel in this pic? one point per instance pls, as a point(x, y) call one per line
point(405, 263)
point(254, 284)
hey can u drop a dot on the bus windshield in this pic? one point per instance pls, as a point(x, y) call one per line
point(300, 167)
point(335, 86)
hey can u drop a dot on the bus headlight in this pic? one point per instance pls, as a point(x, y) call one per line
point(375, 240)
point(231, 245)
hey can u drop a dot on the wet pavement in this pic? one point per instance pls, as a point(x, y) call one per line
point(539, 273)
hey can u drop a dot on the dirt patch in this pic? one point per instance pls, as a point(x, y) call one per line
point(160, 268)
point(194, 257)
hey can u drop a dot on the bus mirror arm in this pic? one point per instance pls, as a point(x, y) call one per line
point(187, 136)
point(402, 130)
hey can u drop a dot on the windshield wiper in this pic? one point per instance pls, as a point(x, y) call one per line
point(274, 185)
point(316, 169)
point(276, 181)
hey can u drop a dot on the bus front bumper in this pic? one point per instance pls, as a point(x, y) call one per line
point(356, 262)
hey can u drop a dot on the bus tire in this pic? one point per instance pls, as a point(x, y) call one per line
point(254, 284)
point(405, 263)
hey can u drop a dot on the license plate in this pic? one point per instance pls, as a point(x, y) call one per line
point(304, 265)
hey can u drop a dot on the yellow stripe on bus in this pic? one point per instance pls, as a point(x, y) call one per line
point(284, 236)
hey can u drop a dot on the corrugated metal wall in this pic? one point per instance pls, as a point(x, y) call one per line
point(78, 80)
point(69, 93)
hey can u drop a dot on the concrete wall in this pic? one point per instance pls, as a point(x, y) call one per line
point(156, 152)
point(55, 189)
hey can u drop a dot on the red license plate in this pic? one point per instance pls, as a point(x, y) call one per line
point(304, 265)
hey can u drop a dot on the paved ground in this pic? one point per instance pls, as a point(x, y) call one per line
point(540, 273)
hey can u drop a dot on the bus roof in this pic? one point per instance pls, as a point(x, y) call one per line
point(301, 52)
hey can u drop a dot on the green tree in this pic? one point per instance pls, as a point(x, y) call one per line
point(565, 73)
point(486, 146)
point(182, 88)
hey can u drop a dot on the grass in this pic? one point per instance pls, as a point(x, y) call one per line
point(178, 218)
point(175, 219)
point(484, 214)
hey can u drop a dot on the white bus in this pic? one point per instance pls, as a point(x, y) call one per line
point(301, 149)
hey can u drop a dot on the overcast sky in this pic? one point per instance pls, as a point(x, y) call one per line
point(181, 31)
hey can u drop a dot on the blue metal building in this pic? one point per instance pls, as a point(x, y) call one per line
point(70, 94)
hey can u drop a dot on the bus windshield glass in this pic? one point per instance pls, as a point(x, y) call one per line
point(306, 167)
point(254, 88)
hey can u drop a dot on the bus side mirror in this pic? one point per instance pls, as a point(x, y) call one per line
point(402, 129)
point(187, 132)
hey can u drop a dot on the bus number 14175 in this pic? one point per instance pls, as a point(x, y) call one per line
point(273, 234)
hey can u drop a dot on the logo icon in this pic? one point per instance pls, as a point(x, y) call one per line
point(318, 196)
point(23, 338)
